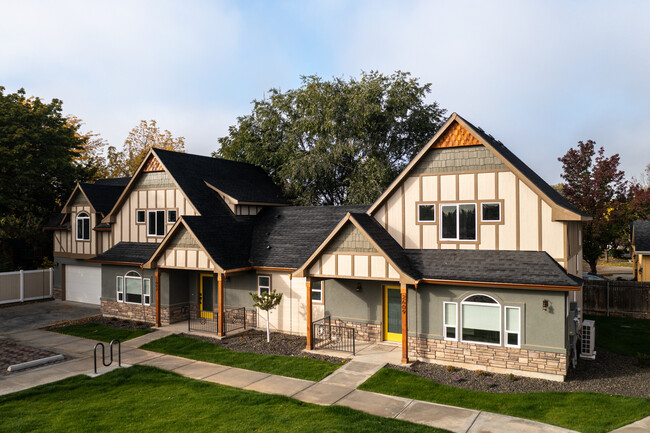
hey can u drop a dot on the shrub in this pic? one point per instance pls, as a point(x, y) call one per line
point(450, 368)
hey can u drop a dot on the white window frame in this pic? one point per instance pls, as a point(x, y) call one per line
point(484, 304)
point(505, 326)
point(444, 321)
point(139, 277)
point(319, 291)
point(434, 213)
point(144, 216)
point(260, 286)
point(457, 238)
point(81, 218)
point(500, 213)
point(119, 288)
point(146, 291)
point(175, 216)
point(149, 212)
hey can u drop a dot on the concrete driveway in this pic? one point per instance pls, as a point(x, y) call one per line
point(40, 314)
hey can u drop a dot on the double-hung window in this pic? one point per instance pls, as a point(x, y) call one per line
point(120, 288)
point(450, 320)
point(317, 291)
point(83, 227)
point(263, 284)
point(156, 223)
point(512, 319)
point(458, 222)
point(481, 320)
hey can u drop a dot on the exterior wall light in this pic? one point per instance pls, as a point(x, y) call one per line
point(545, 304)
point(359, 287)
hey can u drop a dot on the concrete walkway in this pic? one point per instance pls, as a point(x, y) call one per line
point(339, 388)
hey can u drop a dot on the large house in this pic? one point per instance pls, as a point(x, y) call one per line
point(469, 258)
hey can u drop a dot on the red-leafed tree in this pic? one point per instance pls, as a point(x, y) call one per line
point(639, 203)
point(595, 185)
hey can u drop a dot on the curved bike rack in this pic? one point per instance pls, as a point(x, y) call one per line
point(119, 354)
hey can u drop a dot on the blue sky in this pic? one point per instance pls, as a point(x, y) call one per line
point(538, 75)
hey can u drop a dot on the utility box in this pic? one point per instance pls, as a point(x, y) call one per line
point(588, 342)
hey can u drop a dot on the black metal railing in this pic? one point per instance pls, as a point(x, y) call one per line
point(203, 323)
point(333, 337)
point(108, 364)
point(234, 319)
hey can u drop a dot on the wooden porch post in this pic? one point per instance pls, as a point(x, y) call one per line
point(157, 298)
point(405, 337)
point(310, 342)
point(220, 317)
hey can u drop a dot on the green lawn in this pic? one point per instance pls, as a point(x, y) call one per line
point(581, 411)
point(291, 366)
point(146, 399)
point(626, 336)
point(97, 331)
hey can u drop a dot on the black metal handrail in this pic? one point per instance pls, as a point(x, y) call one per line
point(235, 318)
point(333, 337)
point(203, 324)
point(119, 354)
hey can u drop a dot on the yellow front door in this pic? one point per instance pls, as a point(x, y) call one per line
point(392, 313)
point(206, 296)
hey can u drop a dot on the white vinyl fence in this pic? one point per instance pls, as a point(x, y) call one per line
point(21, 286)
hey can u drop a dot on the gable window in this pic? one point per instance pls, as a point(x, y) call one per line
point(119, 283)
point(263, 284)
point(426, 212)
point(156, 223)
point(458, 222)
point(491, 212)
point(513, 332)
point(140, 216)
point(83, 227)
point(317, 291)
point(137, 290)
point(450, 320)
point(481, 320)
point(171, 216)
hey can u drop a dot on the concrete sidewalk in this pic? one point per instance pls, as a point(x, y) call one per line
point(339, 388)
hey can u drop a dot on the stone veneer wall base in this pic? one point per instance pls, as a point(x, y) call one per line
point(144, 313)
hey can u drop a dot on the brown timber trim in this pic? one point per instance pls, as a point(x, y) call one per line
point(74, 255)
point(157, 298)
point(405, 337)
point(103, 229)
point(539, 223)
point(310, 342)
point(506, 285)
point(220, 298)
point(56, 229)
point(108, 262)
point(403, 216)
point(517, 216)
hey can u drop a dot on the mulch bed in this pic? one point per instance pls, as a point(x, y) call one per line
point(110, 322)
point(609, 373)
point(12, 352)
point(255, 341)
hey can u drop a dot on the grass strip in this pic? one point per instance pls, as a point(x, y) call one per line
point(98, 331)
point(586, 412)
point(146, 399)
point(291, 366)
point(625, 336)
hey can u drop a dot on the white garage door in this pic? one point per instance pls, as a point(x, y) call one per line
point(83, 284)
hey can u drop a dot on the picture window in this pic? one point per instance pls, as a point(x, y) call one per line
point(491, 212)
point(156, 224)
point(426, 212)
point(458, 222)
point(481, 320)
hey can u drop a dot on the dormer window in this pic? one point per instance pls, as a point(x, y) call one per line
point(83, 227)
point(156, 223)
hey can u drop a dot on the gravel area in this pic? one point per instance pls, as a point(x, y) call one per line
point(609, 373)
point(255, 341)
point(12, 352)
point(110, 322)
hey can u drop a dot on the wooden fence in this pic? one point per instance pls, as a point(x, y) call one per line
point(24, 286)
point(617, 298)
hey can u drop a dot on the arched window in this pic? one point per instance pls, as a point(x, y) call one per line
point(481, 320)
point(83, 227)
point(137, 289)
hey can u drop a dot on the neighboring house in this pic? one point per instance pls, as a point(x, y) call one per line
point(640, 235)
point(469, 258)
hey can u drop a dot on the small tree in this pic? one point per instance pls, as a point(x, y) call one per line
point(267, 301)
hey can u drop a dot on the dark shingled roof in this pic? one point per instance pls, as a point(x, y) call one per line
point(516, 267)
point(242, 181)
point(128, 252)
point(526, 171)
point(641, 230)
point(114, 181)
point(102, 196)
point(286, 237)
point(56, 222)
point(224, 238)
point(385, 241)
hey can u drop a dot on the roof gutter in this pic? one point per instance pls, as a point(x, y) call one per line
point(506, 285)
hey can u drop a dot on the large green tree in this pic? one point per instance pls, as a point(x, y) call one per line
point(595, 185)
point(38, 169)
point(339, 141)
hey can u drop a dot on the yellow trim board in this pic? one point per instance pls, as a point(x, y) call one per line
point(388, 336)
point(203, 313)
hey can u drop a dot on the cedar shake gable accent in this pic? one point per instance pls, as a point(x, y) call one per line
point(641, 236)
point(451, 135)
